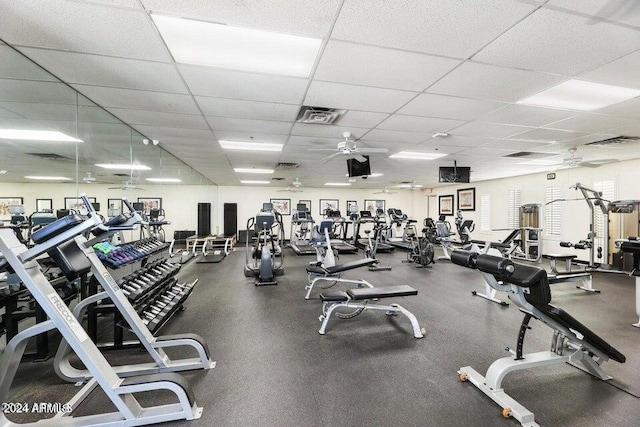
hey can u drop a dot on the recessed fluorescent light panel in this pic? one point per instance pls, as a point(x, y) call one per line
point(416, 155)
point(37, 135)
point(580, 95)
point(373, 175)
point(226, 46)
point(542, 162)
point(409, 186)
point(163, 179)
point(254, 146)
point(337, 184)
point(49, 178)
point(252, 170)
point(253, 182)
point(135, 167)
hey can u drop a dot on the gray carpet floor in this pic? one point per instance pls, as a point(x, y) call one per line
point(274, 369)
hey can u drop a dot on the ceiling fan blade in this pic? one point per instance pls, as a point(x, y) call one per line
point(373, 150)
point(330, 157)
point(589, 165)
point(359, 158)
point(321, 149)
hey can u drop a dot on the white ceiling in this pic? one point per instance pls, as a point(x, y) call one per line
point(403, 71)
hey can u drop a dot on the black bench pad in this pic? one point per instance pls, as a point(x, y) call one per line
point(58, 226)
point(631, 247)
point(334, 296)
point(384, 292)
point(564, 318)
point(561, 257)
point(341, 267)
point(497, 245)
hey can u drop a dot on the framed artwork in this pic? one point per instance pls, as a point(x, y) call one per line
point(75, 203)
point(350, 204)
point(373, 205)
point(114, 207)
point(307, 203)
point(282, 206)
point(467, 199)
point(333, 204)
point(5, 202)
point(445, 204)
point(43, 205)
point(149, 203)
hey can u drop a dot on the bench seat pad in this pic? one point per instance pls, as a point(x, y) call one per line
point(341, 267)
point(561, 257)
point(383, 292)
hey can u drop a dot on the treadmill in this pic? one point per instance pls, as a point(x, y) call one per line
point(300, 237)
point(362, 243)
point(340, 245)
point(397, 218)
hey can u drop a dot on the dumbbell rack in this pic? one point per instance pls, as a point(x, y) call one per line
point(142, 277)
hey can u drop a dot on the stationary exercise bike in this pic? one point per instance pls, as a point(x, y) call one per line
point(266, 229)
point(372, 247)
point(420, 250)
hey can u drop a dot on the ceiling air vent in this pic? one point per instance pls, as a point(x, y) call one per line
point(287, 165)
point(612, 141)
point(49, 156)
point(277, 179)
point(318, 115)
point(126, 175)
point(528, 155)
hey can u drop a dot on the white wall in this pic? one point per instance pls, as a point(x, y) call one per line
point(250, 199)
point(576, 216)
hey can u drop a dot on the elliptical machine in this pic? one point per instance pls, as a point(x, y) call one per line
point(267, 231)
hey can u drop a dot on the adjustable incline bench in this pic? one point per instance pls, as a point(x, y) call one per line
point(318, 273)
point(358, 299)
point(572, 341)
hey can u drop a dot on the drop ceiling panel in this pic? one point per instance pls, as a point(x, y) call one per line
point(225, 135)
point(427, 26)
point(350, 97)
point(108, 71)
point(591, 123)
point(16, 66)
point(139, 100)
point(621, 72)
point(630, 108)
point(304, 17)
point(547, 135)
point(450, 107)
point(512, 145)
point(488, 152)
point(559, 42)
point(345, 62)
point(488, 130)
point(223, 107)
point(158, 132)
point(215, 82)
point(244, 125)
point(432, 146)
point(459, 141)
point(489, 82)
point(525, 115)
point(8, 114)
point(362, 119)
point(394, 137)
point(326, 131)
point(33, 91)
point(418, 124)
point(84, 27)
point(38, 111)
point(619, 11)
point(154, 118)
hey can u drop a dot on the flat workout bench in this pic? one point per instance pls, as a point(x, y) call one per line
point(568, 275)
point(359, 299)
point(317, 273)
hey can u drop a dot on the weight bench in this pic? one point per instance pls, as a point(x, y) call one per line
point(572, 342)
point(568, 275)
point(358, 299)
point(318, 273)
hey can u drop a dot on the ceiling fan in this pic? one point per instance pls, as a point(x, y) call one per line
point(130, 184)
point(572, 161)
point(385, 190)
point(89, 179)
point(348, 148)
point(410, 186)
point(296, 187)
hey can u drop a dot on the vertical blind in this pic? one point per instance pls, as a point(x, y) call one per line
point(485, 212)
point(513, 210)
point(552, 211)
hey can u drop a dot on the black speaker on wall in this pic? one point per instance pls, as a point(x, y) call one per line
point(204, 219)
point(230, 219)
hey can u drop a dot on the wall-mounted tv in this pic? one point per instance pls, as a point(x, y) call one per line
point(357, 168)
point(454, 174)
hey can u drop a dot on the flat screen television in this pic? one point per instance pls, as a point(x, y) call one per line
point(301, 207)
point(454, 174)
point(138, 206)
point(356, 168)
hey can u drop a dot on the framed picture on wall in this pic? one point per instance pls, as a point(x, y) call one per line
point(350, 205)
point(467, 199)
point(114, 207)
point(44, 205)
point(282, 206)
point(150, 203)
point(307, 203)
point(445, 204)
point(5, 203)
point(332, 204)
point(76, 204)
point(373, 205)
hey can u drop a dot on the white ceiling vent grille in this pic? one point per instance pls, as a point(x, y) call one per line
point(318, 115)
point(612, 141)
point(287, 165)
